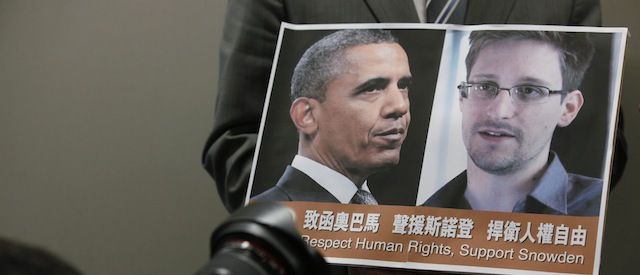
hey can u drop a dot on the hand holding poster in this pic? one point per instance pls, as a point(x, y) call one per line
point(485, 148)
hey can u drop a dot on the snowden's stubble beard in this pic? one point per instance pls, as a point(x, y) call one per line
point(487, 156)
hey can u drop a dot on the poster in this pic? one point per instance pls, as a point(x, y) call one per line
point(524, 131)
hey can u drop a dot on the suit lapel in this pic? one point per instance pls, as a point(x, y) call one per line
point(478, 11)
point(488, 11)
point(387, 11)
point(300, 187)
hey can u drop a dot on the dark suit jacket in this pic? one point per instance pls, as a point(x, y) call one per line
point(249, 42)
point(296, 186)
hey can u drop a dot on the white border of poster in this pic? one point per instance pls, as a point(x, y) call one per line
point(434, 153)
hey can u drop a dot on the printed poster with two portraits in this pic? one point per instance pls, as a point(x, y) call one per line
point(400, 232)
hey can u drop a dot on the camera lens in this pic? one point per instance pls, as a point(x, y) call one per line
point(238, 257)
point(261, 239)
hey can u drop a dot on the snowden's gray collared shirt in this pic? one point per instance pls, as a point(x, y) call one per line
point(557, 192)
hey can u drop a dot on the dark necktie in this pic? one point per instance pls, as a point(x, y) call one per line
point(446, 11)
point(363, 197)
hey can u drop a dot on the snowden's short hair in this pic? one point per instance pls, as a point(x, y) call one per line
point(323, 61)
point(576, 50)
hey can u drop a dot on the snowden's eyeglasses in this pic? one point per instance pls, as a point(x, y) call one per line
point(522, 95)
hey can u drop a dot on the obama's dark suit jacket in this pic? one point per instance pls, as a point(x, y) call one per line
point(296, 186)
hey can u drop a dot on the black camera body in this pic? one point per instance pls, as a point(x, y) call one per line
point(261, 238)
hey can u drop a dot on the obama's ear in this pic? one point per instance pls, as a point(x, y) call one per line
point(571, 106)
point(303, 115)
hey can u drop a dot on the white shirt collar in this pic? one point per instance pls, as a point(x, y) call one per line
point(421, 9)
point(337, 184)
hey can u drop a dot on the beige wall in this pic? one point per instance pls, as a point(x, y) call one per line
point(104, 107)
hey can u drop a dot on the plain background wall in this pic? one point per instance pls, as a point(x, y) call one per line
point(104, 109)
point(105, 106)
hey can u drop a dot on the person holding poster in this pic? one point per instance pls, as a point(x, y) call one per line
point(520, 86)
point(350, 106)
point(247, 52)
